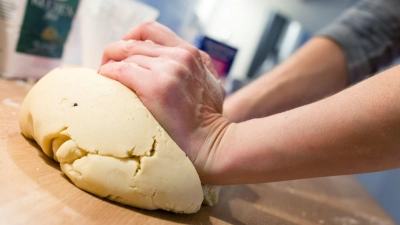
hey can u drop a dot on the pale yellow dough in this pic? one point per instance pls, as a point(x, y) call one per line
point(109, 144)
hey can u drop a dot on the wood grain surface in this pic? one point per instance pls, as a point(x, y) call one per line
point(33, 190)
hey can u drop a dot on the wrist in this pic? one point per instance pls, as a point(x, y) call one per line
point(210, 148)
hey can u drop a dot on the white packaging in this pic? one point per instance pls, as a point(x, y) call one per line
point(104, 21)
point(32, 35)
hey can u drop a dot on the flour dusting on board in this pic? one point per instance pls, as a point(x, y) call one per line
point(9, 102)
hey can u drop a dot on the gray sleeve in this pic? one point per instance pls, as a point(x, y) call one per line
point(369, 33)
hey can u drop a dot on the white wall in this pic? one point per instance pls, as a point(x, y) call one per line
point(239, 23)
point(312, 14)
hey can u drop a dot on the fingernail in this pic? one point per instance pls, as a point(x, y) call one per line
point(149, 41)
point(130, 63)
point(129, 43)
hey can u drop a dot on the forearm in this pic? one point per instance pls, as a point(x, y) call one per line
point(354, 131)
point(315, 71)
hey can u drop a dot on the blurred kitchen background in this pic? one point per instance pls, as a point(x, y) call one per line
point(245, 39)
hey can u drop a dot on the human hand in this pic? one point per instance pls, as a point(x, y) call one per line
point(170, 78)
point(156, 33)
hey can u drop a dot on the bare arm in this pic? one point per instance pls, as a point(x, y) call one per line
point(354, 131)
point(315, 71)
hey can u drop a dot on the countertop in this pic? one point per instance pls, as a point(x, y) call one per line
point(33, 190)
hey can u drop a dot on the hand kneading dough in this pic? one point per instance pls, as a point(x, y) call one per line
point(109, 144)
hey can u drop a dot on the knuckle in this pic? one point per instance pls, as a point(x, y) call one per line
point(186, 57)
point(126, 51)
point(195, 52)
point(205, 57)
point(118, 50)
point(172, 82)
point(146, 25)
point(178, 71)
point(190, 57)
point(130, 48)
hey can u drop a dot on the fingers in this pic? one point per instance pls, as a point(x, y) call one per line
point(155, 32)
point(142, 61)
point(129, 74)
point(121, 50)
point(160, 35)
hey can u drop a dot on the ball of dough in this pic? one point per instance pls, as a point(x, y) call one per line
point(109, 144)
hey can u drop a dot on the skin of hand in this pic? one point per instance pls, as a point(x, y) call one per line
point(315, 71)
point(173, 80)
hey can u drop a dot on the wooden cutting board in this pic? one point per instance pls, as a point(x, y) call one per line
point(33, 190)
